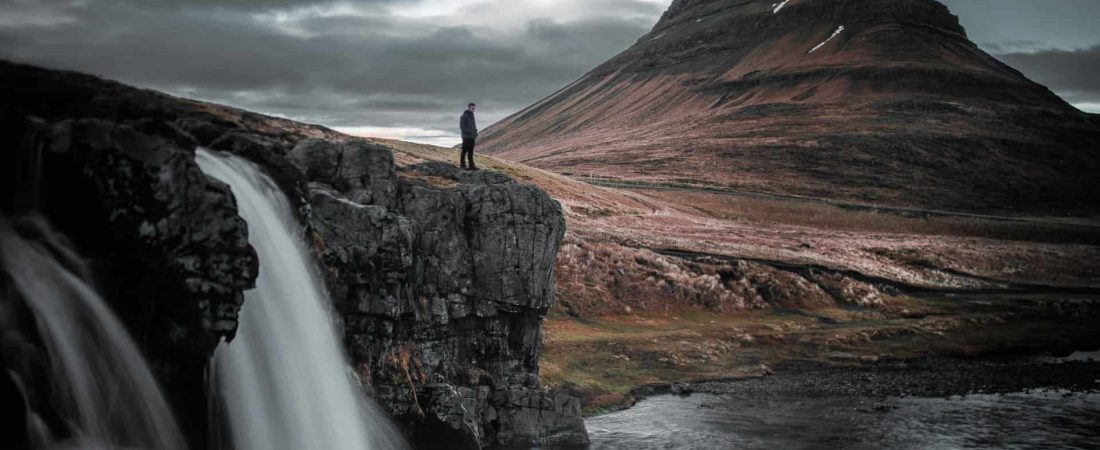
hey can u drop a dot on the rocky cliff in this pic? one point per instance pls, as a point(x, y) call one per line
point(441, 277)
point(883, 101)
point(444, 277)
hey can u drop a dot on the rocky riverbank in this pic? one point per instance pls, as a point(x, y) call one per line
point(921, 377)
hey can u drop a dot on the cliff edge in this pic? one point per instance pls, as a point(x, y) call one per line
point(441, 278)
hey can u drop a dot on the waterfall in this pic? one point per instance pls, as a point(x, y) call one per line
point(284, 380)
point(101, 387)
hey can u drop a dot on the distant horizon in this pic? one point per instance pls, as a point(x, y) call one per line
point(404, 69)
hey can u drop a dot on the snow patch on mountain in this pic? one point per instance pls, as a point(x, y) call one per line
point(839, 30)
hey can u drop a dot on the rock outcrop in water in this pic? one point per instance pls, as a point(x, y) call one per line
point(881, 101)
point(441, 277)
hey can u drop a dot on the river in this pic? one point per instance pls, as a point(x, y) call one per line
point(790, 418)
point(1033, 420)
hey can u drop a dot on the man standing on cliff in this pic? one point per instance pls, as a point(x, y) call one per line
point(469, 136)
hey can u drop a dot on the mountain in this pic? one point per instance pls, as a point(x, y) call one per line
point(874, 101)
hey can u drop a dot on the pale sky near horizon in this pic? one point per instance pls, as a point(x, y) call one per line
point(405, 68)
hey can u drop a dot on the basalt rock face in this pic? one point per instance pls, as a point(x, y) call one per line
point(861, 100)
point(441, 277)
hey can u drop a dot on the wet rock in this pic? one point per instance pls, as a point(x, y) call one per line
point(271, 154)
point(159, 201)
point(534, 418)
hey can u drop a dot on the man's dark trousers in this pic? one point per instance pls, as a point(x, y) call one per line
point(467, 150)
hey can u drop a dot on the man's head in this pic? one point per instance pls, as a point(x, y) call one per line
point(471, 107)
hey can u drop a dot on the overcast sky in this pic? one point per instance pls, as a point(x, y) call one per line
point(405, 68)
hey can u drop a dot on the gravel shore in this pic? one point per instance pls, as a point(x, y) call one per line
point(926, 377)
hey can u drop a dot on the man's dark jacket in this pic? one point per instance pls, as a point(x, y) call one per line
point(468, 125)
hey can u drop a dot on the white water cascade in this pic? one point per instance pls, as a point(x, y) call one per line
point(284, 380)
point(101, 386)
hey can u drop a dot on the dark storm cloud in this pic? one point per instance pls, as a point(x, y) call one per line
point(1067, 24)
point(237, 5)
point(414, 63)
point(1052, 42)
point(1072, 73)
point(340, 63)
point(1013, 46)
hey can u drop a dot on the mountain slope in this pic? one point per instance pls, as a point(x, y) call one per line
point(883, 101)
